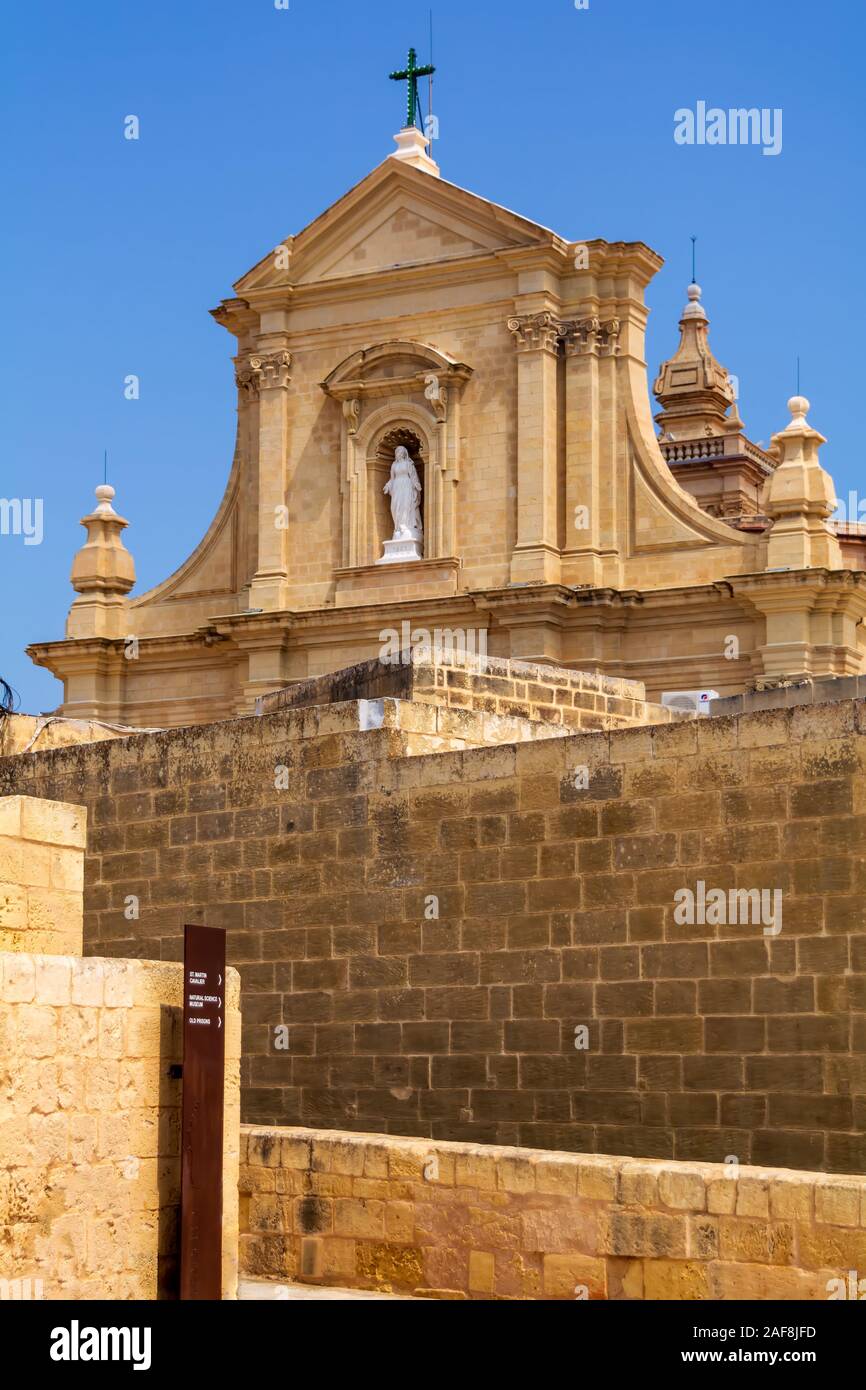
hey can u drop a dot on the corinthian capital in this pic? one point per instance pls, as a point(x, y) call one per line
point(534, 331)
point(591, 335)
point(581, 336)
point(610, 337)
point(272, 369)
point(246, 380)
point(263, 371)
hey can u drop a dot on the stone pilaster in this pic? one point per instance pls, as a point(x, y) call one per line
point(589, 429)
point(266, 373)
point(536, 555)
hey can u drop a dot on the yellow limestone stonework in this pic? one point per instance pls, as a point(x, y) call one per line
point(89, 1114)
point(510, 361)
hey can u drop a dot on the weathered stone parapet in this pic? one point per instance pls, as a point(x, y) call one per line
point(785, 694)
point(444, 675)
point(465, 1221)
point(24, 733)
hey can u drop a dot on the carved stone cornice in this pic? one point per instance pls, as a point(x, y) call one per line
point(536, 332)
point(263, 372)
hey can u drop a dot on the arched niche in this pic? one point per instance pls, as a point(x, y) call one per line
point(393, 387)
point(380, 457)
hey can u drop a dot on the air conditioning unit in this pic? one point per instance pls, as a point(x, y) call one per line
point(689, 701)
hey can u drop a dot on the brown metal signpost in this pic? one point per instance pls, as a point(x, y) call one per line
point(201, 1195)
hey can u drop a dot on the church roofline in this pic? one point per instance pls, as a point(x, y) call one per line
point(388, 171)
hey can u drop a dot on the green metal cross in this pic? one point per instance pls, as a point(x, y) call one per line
point(410, 75)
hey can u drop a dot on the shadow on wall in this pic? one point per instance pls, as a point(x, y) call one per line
point(168, 1180)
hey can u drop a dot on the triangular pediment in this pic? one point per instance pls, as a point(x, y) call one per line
point(397, 216)
point(406, 235)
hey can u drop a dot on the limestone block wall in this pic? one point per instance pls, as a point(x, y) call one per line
point(458, 1221)
point(485, 946)
point(41, 875)
point(90, 1126)
point(89, 1110)
point(513, 689)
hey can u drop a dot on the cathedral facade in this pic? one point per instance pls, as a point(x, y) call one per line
point(414, 321)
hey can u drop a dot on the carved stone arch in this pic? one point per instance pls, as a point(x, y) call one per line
point(367, 366)
point(393, 386)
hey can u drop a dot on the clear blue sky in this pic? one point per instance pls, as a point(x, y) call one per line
point(254, 119)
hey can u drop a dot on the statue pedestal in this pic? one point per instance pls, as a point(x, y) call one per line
point(401, 550)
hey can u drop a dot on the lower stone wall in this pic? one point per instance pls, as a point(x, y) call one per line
point(511, 944)
point(90, 1126)
point(458, 1221)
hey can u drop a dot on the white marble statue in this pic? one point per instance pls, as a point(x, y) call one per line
point(404, 487)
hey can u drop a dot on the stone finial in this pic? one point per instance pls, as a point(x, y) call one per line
point(695, 309)
point(800, 498)
point(693, 389)
point(799, 407)
point(412, 149)
point(103, 572)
